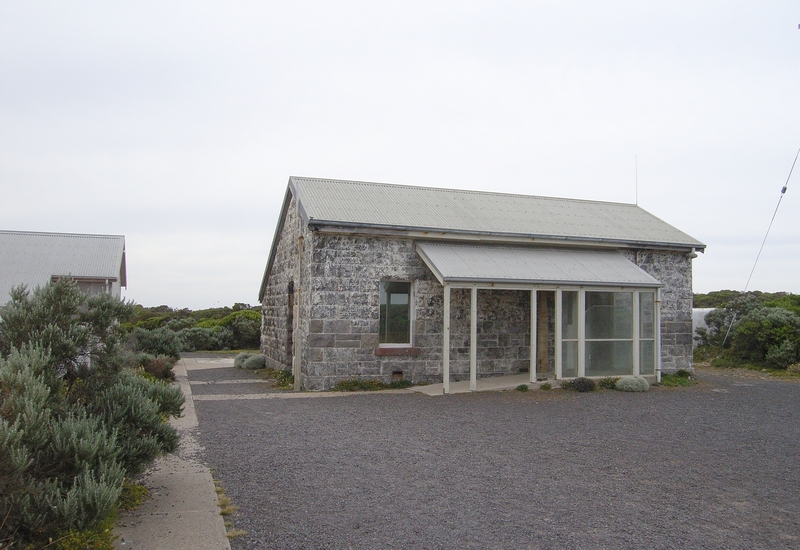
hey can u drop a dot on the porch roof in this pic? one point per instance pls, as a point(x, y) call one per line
point(464, 263)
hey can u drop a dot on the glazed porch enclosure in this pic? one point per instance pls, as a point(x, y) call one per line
point(605, 308)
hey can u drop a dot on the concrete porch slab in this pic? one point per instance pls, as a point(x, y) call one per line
point(494, 383)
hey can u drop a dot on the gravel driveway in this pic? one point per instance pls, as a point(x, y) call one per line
point(711, 466)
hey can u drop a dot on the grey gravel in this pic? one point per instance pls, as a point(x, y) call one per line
point(711, 466)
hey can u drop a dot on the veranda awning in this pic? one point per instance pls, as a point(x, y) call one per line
point(469, 263)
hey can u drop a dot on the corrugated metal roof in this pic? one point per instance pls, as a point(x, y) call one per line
point(33, 258)
point(467, 263)
point(351, 203)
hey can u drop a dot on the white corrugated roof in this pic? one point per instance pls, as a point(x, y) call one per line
point(380, 205)
point(466, 263)
point(33, 258)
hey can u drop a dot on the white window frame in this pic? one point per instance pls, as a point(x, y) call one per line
point(636, 340)
point(412, 315)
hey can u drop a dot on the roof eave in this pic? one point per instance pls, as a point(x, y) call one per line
point(440, 234)
point(278, 229)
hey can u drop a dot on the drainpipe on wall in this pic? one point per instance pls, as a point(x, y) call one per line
point(298, 290)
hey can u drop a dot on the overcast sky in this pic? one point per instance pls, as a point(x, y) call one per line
point(178, 124)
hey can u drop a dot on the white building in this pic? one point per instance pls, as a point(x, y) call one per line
point(96, 262)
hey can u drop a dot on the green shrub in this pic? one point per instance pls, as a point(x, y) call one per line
point(245, 326)
point(160, 341)
point(683, 373)
point(196, 338)
point(522, 387)
point(60, 466)
point(160, 367)
point(74, 419)
point(137, 408)
point(637, 384)
point(253, 362)
point(208, 323)
point(581, 384)
point(782, 355)
point(762, 329)
point(239, 360)
point(400, 384)
point(608, 383)
point(284, 378)
point(153, 322)
point(546, 386)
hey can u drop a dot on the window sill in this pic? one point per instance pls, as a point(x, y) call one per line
point(398, 352)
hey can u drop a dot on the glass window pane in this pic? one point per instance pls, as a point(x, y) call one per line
point(569, 359)
point(609, 358)
point(647, 357)
point(609, 315)
point(569, 315)
point(647, 314)
point(395, 319)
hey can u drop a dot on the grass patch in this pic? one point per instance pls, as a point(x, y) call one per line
point(132, 496)
point(283, 378)
point(682, 378)
point(357, 384)
point(101, 537)
point(234, 532)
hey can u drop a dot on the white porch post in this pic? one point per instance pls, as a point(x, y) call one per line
point(559, 345)
point(473, 341)
point(636, 335)
point(657, 335)
point(532, 368)
point(581, 332)
point(446, 342)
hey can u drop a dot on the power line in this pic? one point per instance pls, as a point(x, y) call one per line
point(783, 192)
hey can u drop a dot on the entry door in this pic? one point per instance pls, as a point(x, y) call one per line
point(545, 334)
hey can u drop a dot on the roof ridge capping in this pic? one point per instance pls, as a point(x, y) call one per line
point(54, 234)
point(466, 191)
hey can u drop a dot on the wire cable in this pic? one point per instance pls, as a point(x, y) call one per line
point(783, 192)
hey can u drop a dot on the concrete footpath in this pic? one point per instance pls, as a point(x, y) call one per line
point(182, 511)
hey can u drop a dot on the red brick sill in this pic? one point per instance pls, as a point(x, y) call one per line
point(403, 352)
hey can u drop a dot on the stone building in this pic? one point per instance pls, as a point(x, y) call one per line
point(386, 282)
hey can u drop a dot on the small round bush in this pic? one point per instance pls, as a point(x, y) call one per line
point(546, 386)
point(632, 384)
point(584, 384)
point(683, 373)
point(608, 383)
point(522, 387)
point(255, 361)
point(239, 360)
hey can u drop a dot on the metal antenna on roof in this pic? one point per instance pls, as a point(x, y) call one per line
point(783, 192)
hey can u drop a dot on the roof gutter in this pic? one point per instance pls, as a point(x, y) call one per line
point(323, 226)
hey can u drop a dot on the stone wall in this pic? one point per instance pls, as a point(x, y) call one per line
point(275, 312)
point(339, 311)
point(674, 270)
